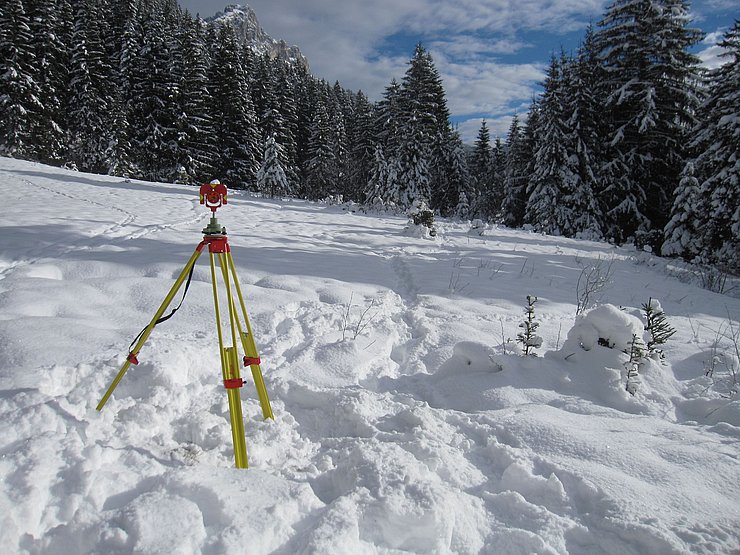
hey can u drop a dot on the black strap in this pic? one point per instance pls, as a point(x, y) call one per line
point(165, 318)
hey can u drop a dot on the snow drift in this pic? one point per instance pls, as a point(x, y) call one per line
point(406, 419)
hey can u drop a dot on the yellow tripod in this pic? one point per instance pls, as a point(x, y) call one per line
point(214, 195)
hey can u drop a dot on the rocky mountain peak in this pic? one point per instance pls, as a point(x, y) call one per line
point(248, 30)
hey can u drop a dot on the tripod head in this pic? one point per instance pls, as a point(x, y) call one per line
point(213, 195)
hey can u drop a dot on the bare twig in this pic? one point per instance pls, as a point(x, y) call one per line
point(503, 336)
point(346, 316)
point(361, 324)
point(360, 327)
point(591, 282)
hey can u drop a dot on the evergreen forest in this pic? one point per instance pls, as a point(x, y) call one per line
point(629, 141)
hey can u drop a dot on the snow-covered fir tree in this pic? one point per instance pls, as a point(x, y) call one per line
point(528, 337)
point(360, 146)
point(562, 195)
point(270, 119)
point(658, 329)
point(458, 176)
point(51, 36)
point(683, 231)
point(498, 172)
point(340, 111)
point(423, 106)
point(20, 95)
point(197, 139)
point(286, 132)
point(582, 77)
point(322, 179)
point(463, 210)
point(271, 178)
point(234, 118)
point(89, 101)
point(154, 90)
point(717, 165)
point(377, 184)
point(118, 155)
point(650, 100)
point(413, 183)
point(552, 183)
point(388, 119)
point(482, 173)
point(516, 174)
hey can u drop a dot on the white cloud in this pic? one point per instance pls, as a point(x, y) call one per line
point(497, 127)
point(711, 57)
point(714, 56)
point(347, 41)
point(472, 48)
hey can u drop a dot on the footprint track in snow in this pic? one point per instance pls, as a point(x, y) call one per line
point(117, 231)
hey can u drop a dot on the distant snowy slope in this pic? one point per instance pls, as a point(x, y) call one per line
point(406, 420)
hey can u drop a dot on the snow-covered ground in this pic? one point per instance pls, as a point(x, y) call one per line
point(405, 419)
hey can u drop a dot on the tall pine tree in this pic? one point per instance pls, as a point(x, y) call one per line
point(322, 172)
point(706, 223)
point(650, 101)
point(516, 172)
point(20, 94)
point(482, 172)
point(548, 208)
point(271, 178)
point(234, 118)
point(90, 101)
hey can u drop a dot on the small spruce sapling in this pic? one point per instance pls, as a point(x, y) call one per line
point(528, 336)
point(637, 357)
point(658, 328)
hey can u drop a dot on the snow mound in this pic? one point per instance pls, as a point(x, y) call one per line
point(403, 421)
point(605, 325)
point(470, 356)
point(419, 231)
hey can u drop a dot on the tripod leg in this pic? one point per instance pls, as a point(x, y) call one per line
point(233, 383)
point(218, 317)
point(222, 260)
point(230, 369)
point(250, 347)
point(150, 327)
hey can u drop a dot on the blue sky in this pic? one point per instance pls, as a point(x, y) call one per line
point(492, 54)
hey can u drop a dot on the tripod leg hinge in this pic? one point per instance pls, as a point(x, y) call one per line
point(132, 358)
point(248, 361)
point(234, 383)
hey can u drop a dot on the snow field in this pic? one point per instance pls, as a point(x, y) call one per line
point(405, 422)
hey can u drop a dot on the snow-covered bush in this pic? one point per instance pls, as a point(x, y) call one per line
point(424, 216)
point(477, 227)
point(421, 221)
point(605, 325)
point(608, 326)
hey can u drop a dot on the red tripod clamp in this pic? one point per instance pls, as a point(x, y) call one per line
point(234, 383)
